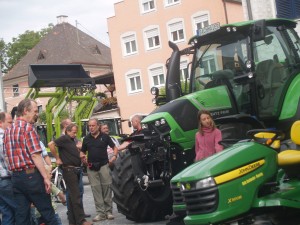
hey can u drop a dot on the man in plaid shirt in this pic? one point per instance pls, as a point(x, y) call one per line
point(31, 183)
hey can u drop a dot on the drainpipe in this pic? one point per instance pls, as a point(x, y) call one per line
point(249, 10)
point(225, 11)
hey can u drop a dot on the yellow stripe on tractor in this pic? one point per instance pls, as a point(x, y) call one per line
point(239, 172)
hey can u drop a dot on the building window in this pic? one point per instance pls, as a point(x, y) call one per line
point(184, 70)
point(129, 44)
point(176, 31)
point(200, 22)
point(134, 82)
point(147, 5)
point(152, 38)
point(288, 9)
point(209, 64)
point(171, 2)
point(40, 108)
point(16, 90)
point(157, 74)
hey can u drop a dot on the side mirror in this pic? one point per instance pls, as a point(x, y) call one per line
point(259, 30)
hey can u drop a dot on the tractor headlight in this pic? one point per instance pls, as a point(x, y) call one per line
point(205, 183)
point(144, 126)
point(162, 121)
point(157, 123)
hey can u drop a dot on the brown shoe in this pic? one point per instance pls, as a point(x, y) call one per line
point(87, 223)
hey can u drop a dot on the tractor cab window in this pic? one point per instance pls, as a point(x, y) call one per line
point(219, 64)
point(274, 63)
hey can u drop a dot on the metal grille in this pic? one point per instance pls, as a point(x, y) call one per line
point(177, 196)
point(201, 201)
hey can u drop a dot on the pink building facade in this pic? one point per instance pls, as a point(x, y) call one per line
point(139, 34)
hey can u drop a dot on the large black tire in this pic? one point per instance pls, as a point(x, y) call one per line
point(138, 205)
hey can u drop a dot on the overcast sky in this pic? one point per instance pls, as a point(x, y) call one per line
point(17, 16)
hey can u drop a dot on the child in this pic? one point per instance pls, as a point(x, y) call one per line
point(208, 136)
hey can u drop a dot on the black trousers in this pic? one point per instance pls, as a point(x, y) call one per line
point(75, 212)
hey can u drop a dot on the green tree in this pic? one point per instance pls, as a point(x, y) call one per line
point(63, 115)
point(18, 48)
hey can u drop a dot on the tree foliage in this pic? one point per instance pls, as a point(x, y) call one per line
point(64, 114)
point(14, 51)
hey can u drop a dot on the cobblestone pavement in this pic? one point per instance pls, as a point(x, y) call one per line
point(89, 208)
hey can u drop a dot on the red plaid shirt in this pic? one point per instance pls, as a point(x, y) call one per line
point(21, 141)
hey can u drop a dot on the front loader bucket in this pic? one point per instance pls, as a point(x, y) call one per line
point(69, 75)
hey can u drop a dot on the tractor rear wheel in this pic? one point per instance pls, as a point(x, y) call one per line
point(152, 204)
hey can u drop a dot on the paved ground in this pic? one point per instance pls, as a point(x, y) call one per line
point(90, 209)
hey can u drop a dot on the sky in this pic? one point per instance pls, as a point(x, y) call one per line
point(17, 16)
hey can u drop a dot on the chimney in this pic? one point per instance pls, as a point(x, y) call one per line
point(62, 19)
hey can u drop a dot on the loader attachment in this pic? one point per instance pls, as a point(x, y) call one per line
point(71, 75)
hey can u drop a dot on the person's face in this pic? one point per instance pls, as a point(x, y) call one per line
point(31, 115)
point(73, 132)
point(206, 120)
point(8, 121)
point(104, 129)
point(67, 122)
point(135, 123)
point(93, 127)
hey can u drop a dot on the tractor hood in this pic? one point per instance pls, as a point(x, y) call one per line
point(234, 158)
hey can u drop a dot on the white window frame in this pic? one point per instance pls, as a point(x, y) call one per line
point(129, 37)
point(142, 6)
point(133, 74)
point(151, 32)
point(207, 59)
point(200, 17)
point(176, 25)
point(156, 70)
point(171, 2)
point(184, 65)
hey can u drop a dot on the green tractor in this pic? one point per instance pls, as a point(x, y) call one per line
point(246, 74)
point(251, 182)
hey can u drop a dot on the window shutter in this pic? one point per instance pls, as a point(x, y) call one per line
point(176, 26)
point(129, 38)
point(152, 33)
point(157, 71)
point(288, 9)
point(201, 18)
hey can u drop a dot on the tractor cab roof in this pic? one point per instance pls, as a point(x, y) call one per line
point(240, 29)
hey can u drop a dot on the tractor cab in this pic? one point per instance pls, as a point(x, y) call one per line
point(256, 61)
point(255, 70)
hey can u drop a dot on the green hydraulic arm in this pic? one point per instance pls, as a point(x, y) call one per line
point(84, 108)
point(55, 98)
point(59, 108)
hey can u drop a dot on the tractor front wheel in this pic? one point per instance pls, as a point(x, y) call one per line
point(138, 204)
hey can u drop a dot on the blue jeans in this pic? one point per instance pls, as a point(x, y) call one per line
point(58, 220)
point(29, 188)
point(7, 202)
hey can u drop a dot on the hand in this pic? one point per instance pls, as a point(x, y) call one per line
point(83, 158)
point(79, 145)
point(58, 162)
point(47, 183)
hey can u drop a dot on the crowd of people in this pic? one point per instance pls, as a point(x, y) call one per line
point(25, 167)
